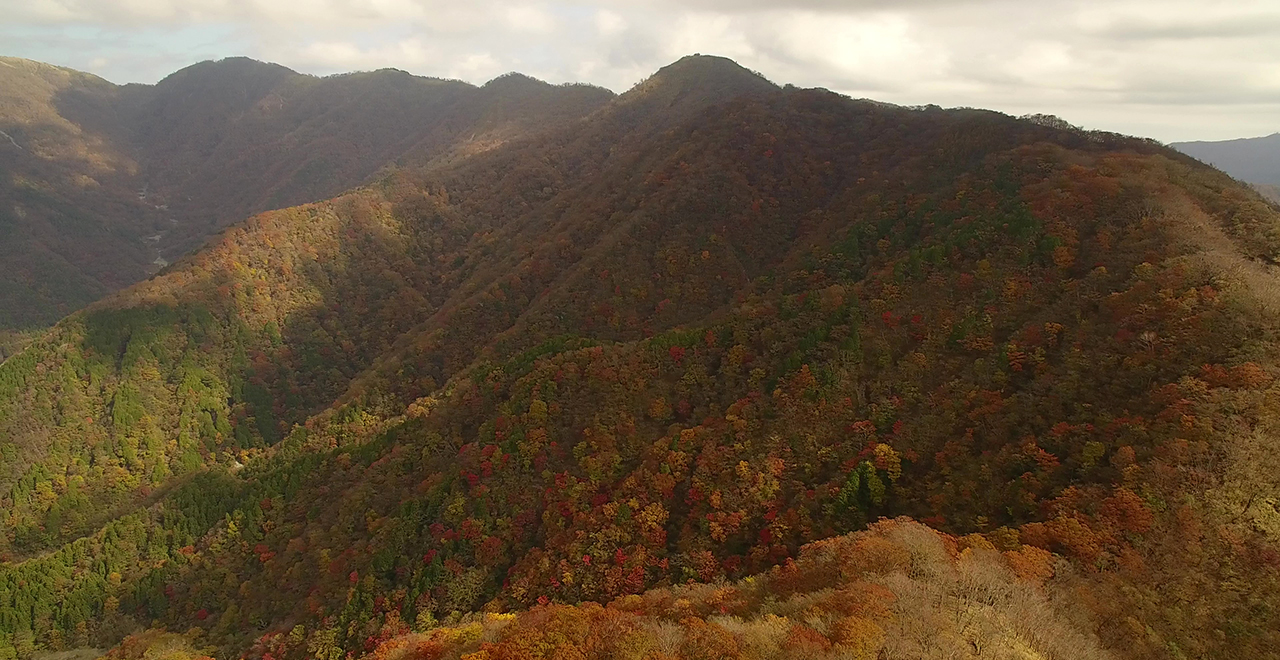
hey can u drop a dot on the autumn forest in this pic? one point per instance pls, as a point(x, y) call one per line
point(714, 368)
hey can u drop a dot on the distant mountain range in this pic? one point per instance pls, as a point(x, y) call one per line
point(1253, 160)
point(107, 183)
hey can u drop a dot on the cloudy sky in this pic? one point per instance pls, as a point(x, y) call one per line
point(1168, 69)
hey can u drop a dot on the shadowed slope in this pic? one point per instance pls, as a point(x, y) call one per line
point(107, 184)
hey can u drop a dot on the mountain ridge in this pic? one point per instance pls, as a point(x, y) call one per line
point(162, 166)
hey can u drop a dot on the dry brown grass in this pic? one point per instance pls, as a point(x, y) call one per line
point(974, 606)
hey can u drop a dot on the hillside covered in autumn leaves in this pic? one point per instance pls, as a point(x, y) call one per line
point(105, 184)
point(721, 369)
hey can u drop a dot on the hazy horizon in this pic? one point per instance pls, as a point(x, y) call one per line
point(1174, 71)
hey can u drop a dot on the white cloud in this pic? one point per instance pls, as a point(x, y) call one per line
point(706, 32)
point(1173, 69)
point(872, 52)
point(477, 66)
point(530, 19)
point(609, 23)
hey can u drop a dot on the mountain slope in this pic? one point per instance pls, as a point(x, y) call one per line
point(1256, 160)
point(898, 589)
point(109, 183)
point(70, 225)
point(675, 340)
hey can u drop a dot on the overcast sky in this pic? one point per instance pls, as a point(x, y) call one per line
point(1168, 69)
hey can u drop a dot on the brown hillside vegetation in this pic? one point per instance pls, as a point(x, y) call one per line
point(674, 343)
point(104, 179)
point(897, 590)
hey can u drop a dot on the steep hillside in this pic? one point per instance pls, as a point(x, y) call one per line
point(676, 340)
point(228, 139)
point(1255, 160)
point(71, 225)
point(110, 183)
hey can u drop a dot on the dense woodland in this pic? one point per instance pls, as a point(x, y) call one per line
point(856, 596)
point(641, 386)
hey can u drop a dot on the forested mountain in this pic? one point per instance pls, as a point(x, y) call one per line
point(1255, 160)
point(715, 329)
point(105, 184)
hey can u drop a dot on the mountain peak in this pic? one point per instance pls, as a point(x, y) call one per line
point(230, 68)
point(515, 80)
point(707, 64)
point(697, 81)
point(710, 73)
